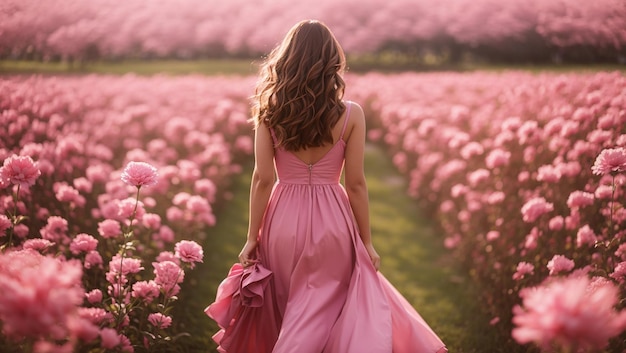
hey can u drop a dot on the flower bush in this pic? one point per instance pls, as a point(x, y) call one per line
point(186, 28)
point(526, 177)
point(107, 186)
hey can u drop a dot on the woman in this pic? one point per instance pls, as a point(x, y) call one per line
point(308, 277)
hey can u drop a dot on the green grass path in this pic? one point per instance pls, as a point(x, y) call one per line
point(413, 259)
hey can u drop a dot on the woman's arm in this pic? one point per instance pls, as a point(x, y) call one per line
point(260, 189)
point(356, 186)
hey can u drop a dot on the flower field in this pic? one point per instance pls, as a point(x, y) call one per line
point(83, 30)
point(525, 175)
point(108, 185)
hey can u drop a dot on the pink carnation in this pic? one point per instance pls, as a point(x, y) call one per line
point(124, 265)
point(188, 251)
point(619, 272)
point(19, 170)
point(604, 192)
point(585, 236)
point(97, 316)
point(492, 235)
point(612, 160)
point(5, 223)
point(159, 320)
point(66, 193)
point(109, 228)
point(145, 290)
point(139, 174)
point(556, 223)
point(476, 177)
point(523, 269)
point(55, 230)
point(534, 208)
point(497, 158)
point(549, 174)
point(560, 263)
point(559, 314)
point(93, 259)
point(94, 296)
point(39, 294)
point(579, 199)
point(472, 149)
point(83, 243)
point(168, 256)
point(37, 244)
point(109, 338)
point(167, 275)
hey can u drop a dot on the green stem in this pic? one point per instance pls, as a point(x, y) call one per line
point(126, 235)
point(611, 217)
point(16, 198)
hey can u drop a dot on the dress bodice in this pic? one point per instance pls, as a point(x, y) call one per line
point(292, 170)
point(327, 170)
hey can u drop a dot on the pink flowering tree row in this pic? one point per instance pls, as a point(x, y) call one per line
point(526, 177)
point(82, 30)
point(107, 187)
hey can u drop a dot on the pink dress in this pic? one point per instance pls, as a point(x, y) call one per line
point(315, 289)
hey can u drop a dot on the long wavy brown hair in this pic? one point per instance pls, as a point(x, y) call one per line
point(300, 88)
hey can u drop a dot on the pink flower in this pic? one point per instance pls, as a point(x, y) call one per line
point(96, 316)
point(585, 236)
point(612, 160)
point(472, 149)
point(109, 228)
point(548, 174)
point(5, 223)
point(492, 235)
point(83, 243)
point(151, 220)
point(37, 244)
point(139, 174)
point(578, 199)
point(619, 272)
point(124, 265)
point(604, 192)
point(168, 256)
point(94, 296)
point(130, 207)
point(66, 193)
point(534, 208)
point(523, 269)
point(145, 290)
point(559, 314)
point(55, 230)
point(476, 177)
point(497, 158)
point(159, 320)
point(560, 263)
point(20, 170)
point(166, 234)
point(167, 275)
point(110, 338)
point(556, 223)
point(39, 294)
point(93, 259)
point(189, 251)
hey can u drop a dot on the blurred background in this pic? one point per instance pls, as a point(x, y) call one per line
point(397, 34)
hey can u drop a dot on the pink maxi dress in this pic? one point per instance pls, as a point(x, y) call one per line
point(314, 289)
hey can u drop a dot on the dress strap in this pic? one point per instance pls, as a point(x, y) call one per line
point(345, 122)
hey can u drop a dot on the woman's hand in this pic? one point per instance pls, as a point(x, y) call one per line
point(247, 256)
point(373, 255)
